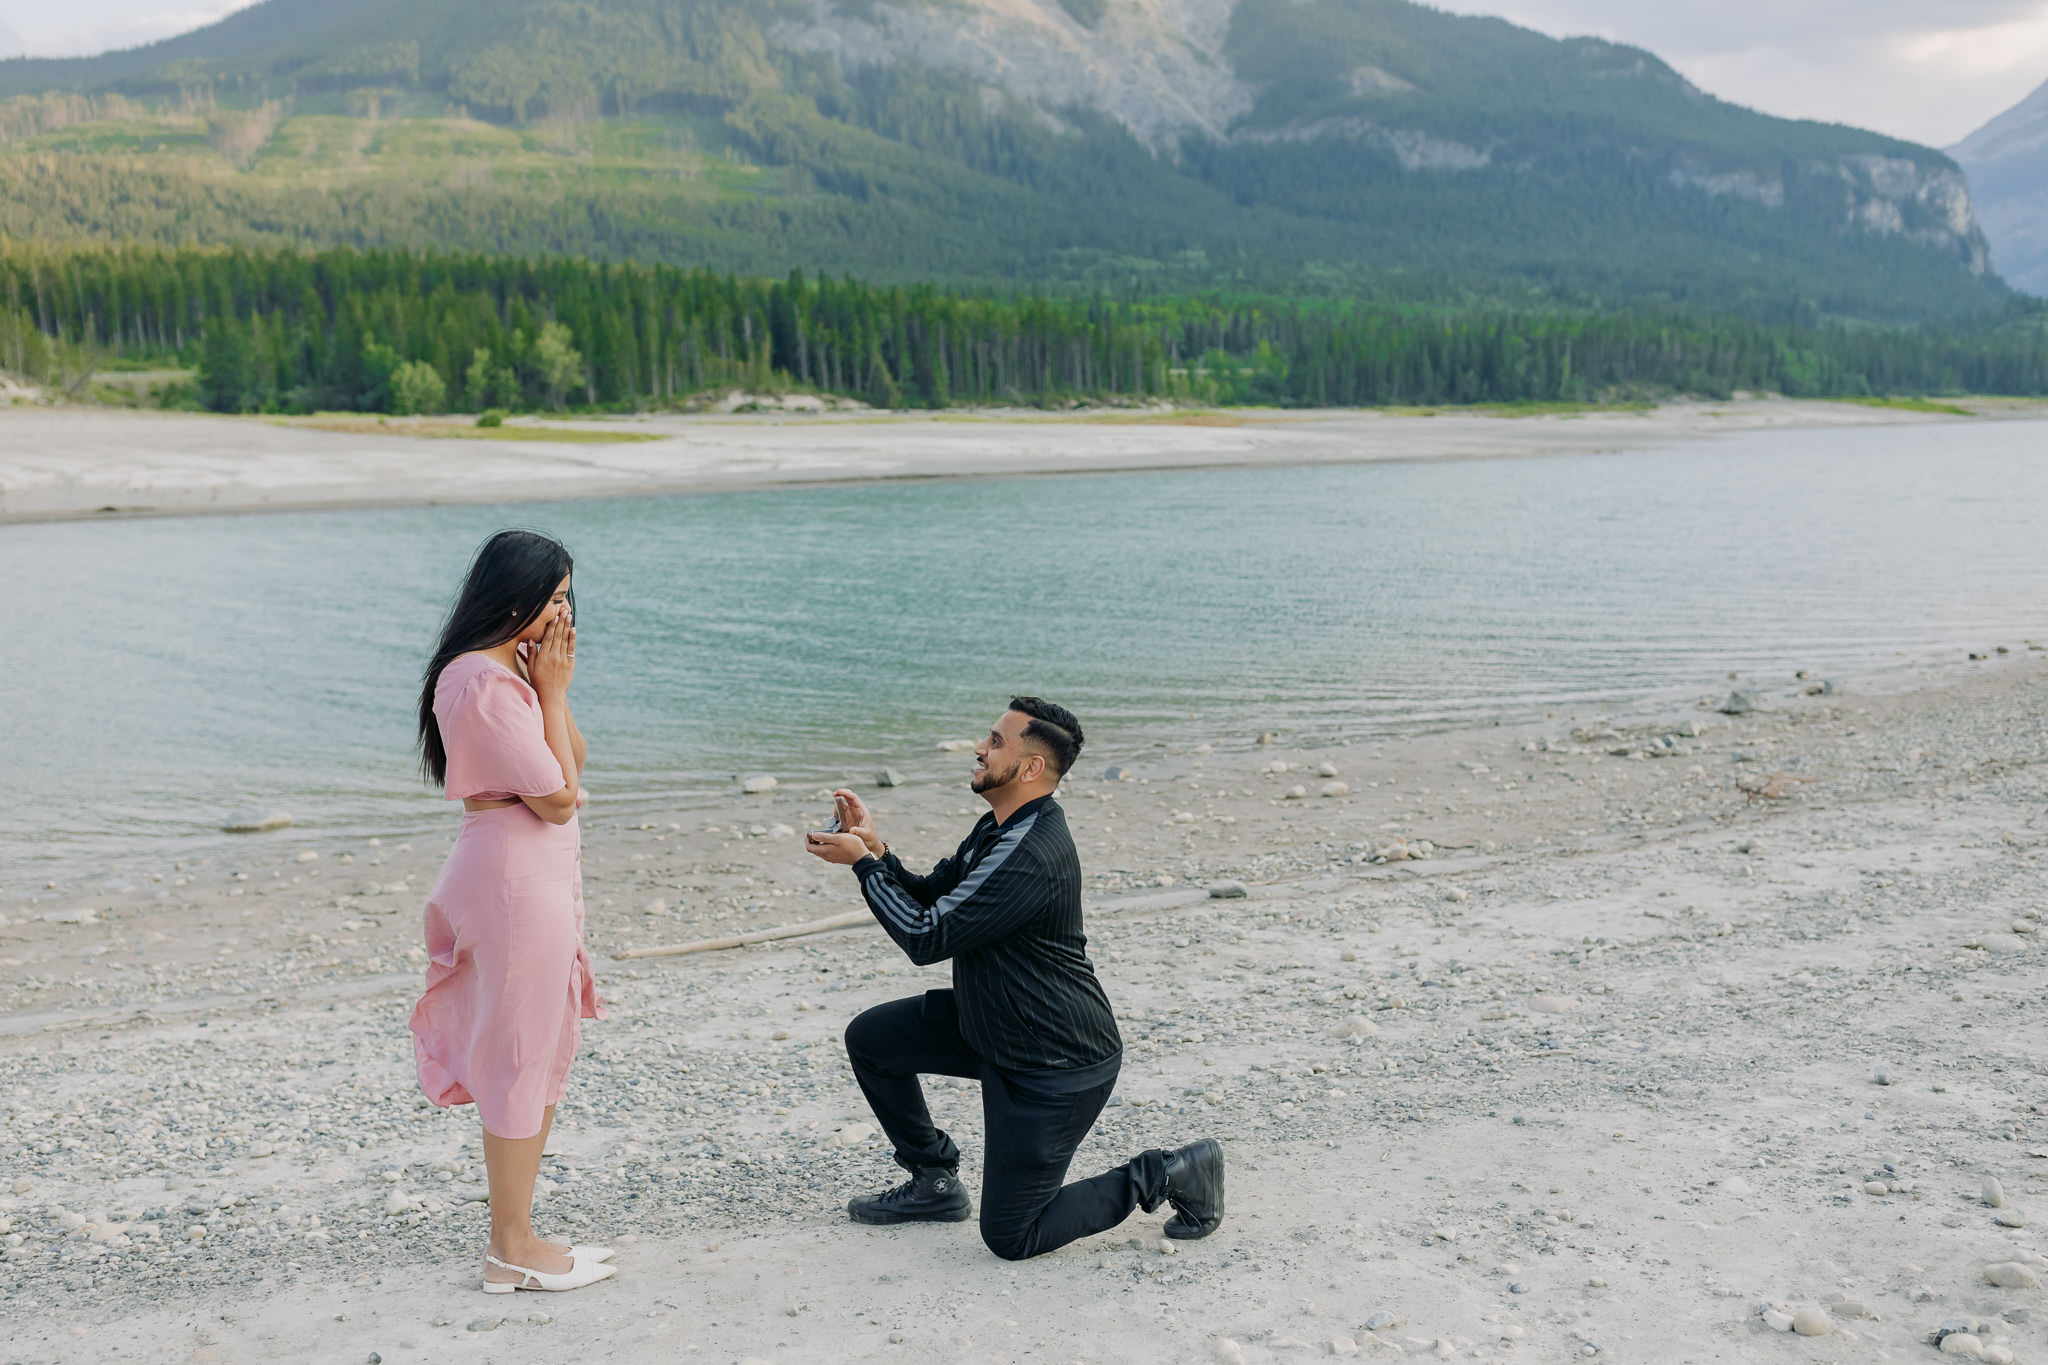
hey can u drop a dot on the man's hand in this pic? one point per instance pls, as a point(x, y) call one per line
point(857, 820)
point(843, 849)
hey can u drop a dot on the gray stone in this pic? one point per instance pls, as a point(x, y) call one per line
point(1739, 704)
point(889, 777)
point(1812, 1321)
point(1994, 1193)
point(2012, 1275)
point(489, 1324)
point(1380, 1318)
point(1227, 891)
point(758, 786)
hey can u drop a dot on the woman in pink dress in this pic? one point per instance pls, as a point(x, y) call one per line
point(508, 980)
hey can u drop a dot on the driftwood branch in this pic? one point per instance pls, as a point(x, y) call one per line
point(713, 945)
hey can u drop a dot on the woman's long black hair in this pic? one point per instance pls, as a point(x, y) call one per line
point(509, 583)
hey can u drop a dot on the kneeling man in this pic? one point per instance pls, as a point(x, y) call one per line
point(1026, 1016)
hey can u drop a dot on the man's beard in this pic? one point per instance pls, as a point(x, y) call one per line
point(988, 780)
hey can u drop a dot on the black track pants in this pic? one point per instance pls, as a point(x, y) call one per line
point(1032, 1131)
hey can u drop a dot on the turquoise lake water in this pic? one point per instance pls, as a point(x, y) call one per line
point(156, 674)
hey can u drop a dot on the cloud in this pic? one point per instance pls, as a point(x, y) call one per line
point(1926, 72)
point(84, 27)
point(1990, 50)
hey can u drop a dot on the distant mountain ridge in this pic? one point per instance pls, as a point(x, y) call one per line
point(1318, 144)
point(2007, 162)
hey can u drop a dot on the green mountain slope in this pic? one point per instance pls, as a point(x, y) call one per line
point(1366, 146)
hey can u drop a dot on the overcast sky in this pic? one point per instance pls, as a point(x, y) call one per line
point(1929, 70)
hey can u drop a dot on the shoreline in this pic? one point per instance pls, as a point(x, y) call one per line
point(83, 464)
point(1615, 1063)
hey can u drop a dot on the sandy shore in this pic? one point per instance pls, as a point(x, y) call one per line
point(1636, 1057)
point(85, 462)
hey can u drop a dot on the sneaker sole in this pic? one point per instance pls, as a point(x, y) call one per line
point(891, 1219)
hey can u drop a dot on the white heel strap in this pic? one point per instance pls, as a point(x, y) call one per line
point(533, 1275)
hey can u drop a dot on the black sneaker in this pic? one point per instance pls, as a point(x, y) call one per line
point(933, 1194)
point(1194, 1186)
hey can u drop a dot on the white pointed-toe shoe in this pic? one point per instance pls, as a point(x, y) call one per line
point(587, 1253)
point(580, 1274)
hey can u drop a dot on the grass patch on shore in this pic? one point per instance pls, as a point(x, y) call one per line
point(1525, 409)
point(356, 425)
point(1909, 405)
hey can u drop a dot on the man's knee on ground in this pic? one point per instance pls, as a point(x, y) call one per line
point(860, 1032)
point(1012, 1244)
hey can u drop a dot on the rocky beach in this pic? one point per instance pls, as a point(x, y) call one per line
point(1700, 1033)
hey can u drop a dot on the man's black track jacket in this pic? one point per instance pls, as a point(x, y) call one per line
point(1006, 908)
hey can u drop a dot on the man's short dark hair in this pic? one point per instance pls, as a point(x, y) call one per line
point(1054, 727)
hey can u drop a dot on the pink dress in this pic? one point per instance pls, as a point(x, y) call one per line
point(508, 978)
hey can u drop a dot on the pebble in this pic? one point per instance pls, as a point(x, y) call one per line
point(307, 855)
point(2009, 1218)
point(1998, 1353)
point(397, 1202)
point(252, 821)
point(1967, 1344)
point(853, 1134)
point(1553, 1004)
point(1357, 1026)
point(1343, 1346)
point(955, 746)
point(654, 907)
point(779, 831)
point(1227, 1351)
point(1738, 1187)
point(1227, 891)
point(1812, 1321)
point(1297, 793)
point(758, 786)
point(1455, 893)
point(1876, 1187)
point(1336, 789)
point(1777, 1320)
point(1739, 704)
point(1999, 943)
point(889, 777)
point(1883, 1076)
point(1327, 770)
point(2011, 1275)
point(484, 1324)
point(1993, 1192)
point(1380, 1319)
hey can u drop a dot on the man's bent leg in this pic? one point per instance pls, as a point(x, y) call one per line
point(890, 1046)
point(1032, 1135)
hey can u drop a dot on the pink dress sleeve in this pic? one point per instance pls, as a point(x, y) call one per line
point(496, 741)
